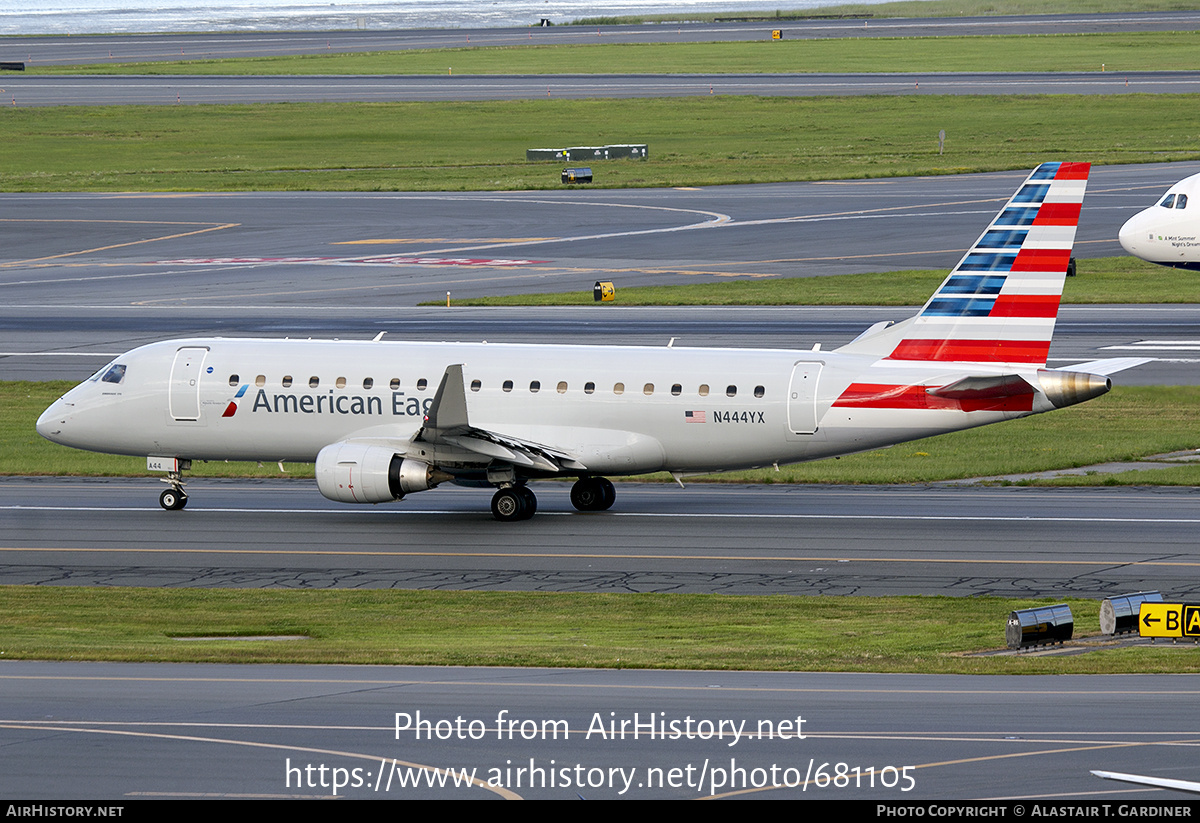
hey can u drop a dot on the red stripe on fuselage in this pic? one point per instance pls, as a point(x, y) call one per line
point(882, 396)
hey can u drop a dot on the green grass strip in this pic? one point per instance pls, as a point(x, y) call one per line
point(917, 8)
point(1139, 51)
point(696, 141)
point(1109, 428)
point(665, 631)
point(1098, 281)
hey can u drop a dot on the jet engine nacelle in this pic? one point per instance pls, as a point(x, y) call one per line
point(365, 473)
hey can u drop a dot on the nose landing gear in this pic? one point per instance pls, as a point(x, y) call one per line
point(175, 498)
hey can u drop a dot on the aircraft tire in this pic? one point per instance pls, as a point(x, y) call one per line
point(593, 494)
point(610, 494)
point(172, 500)
point(509, 505)
point(530, 501)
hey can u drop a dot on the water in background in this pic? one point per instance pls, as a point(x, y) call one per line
point(119, 16)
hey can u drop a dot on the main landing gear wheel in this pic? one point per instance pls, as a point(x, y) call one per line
point(514, 503)
point(593, 494)
point(172, 500)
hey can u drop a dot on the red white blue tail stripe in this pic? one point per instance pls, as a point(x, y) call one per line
point(1000, 302)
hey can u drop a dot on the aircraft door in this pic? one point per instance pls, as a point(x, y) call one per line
point(184, 400)
point(802, 398)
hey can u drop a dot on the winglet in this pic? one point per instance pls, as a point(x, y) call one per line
point(449, 409)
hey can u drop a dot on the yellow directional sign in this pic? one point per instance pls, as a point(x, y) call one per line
point(1169, 620)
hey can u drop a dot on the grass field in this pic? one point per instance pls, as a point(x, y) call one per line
point(1099, 280)
point(696, 141)
point(1139, 51)
point(668, 631)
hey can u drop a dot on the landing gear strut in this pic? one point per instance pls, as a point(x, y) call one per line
point(514, 503)
point(174, 498)
point(593, 494)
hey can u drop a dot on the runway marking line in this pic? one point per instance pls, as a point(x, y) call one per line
point(121, 245)
point(991, 758)
point(503, 792)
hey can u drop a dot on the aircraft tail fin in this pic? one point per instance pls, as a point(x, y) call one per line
point(999, 303)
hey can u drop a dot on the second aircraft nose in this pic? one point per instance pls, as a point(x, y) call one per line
point(1133, 235)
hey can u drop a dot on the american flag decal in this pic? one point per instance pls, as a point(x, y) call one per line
point(694, 417)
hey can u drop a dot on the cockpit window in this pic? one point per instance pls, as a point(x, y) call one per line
point(115, 374)
point(1168, 202)
point(1181, 201)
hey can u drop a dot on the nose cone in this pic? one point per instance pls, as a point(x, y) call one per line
point(53, 420)
point(1135, 235)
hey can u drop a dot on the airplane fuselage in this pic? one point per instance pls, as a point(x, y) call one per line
point(624, 410)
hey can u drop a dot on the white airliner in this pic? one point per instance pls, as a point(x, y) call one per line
point(1168, 233)
point(386, 419)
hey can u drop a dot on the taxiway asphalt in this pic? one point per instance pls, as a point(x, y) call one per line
point(706, 538)
point(126, 732)
point(187, 89)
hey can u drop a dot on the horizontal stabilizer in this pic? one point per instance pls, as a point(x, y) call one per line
point(1190, 786)
point(1111, 365)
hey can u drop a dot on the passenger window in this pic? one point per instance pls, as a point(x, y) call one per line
point(677, 390)
point(562, 386)
point(703, 390)
point(619, 388)
point(261, 380)
point(314, 381)
point(1168, 202)
point(535, 386)
point(648, 389)
point(395, 384)
point(422, 384)
point(1181, 201)
point(286, 381)
point(476, 385)
point(340, 383)
point(589, 387)
point(731, 391)
point(759, 391)
point(233, 379)
point(507, 385)
point(368, 382)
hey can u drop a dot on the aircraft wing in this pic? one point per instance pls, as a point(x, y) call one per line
point(1190, 786)
point(448, 423)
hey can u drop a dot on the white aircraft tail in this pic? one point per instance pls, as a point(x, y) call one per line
point(999, 304)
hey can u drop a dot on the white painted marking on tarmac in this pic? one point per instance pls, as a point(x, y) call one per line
point(972, 518)
point(1156, 345)
point(60, 353)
